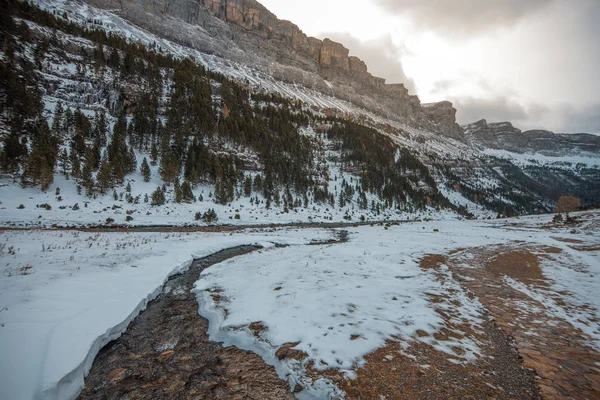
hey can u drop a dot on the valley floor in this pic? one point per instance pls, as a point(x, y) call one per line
point(503, 309)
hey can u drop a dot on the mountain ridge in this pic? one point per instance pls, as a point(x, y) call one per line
point(281, 49)
point(503, 135)
point(333, 160)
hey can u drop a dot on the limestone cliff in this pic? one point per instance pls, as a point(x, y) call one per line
point(504, 136)
point(246, 31)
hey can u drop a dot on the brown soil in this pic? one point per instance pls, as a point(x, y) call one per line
point(594, 247)
point(432, 261)
point(568, 240)
point(257, 328)
point(422, 372)
point(526, 352)
point(288, 352)
point(166, 354)
point(415, 370)
point(566, 365)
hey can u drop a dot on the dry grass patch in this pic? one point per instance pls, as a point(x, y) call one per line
point(521, 265)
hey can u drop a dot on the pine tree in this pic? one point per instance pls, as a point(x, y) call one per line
point(100, 129)
point(158, 197)
point(12, 153)
point(87, 180)
point(187, 195)
point(223, 192)
point(39, 169)
point(154, 153)
point(104, 176)
point(57, 123)
point(114, 60)
point(68, 123)
point(119, 155)
point(64, 162)
point(248, 186)
point(169, 168)
point(145, 170)
point(178, 193)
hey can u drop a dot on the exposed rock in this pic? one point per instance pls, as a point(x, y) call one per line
point(334, 55)
point(166, 353)
point(444, 114)
point(247, 32)
point(357, 66)
point(504, 136)
point(287, 351)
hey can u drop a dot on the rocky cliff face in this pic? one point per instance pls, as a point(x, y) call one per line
point(504, 136)
point(245, 31)
point(444, 115)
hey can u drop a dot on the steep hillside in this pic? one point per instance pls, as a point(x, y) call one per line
point(146, 127)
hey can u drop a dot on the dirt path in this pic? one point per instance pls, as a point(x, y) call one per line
point(166, 353)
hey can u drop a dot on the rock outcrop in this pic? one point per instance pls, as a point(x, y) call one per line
point(444, 115)
point(504, 136)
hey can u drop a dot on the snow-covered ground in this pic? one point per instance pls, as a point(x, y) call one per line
point(588, 160)
point(25, 207)
point(64, 295)
point(343, 301)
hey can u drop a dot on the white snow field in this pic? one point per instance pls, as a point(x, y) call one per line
point(343, 301)
point(65, 294)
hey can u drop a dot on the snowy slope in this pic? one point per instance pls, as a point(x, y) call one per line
point(64, 295)
point(431, 147)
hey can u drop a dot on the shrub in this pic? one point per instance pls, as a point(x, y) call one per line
point(198, 216)
point(109, 221)
point(567, 204)
point(558, 218)
point(129, 218)
point(210, 216)
point(76, 207)
point(571, 220)
point(45, 206)
point(21, 207)
point(158, 197)
point(237, 216)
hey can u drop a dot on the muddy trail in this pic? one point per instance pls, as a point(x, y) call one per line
point(166, 353)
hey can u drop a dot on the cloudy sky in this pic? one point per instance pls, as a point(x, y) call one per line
point(533, 62)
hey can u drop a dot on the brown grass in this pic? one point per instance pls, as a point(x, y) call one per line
point(521, 265)
point(433, 261)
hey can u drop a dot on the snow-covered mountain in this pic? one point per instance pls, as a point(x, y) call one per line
point(439, 167)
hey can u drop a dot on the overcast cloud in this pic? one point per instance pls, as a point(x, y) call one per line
point(464, 16)
point(533, 62)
